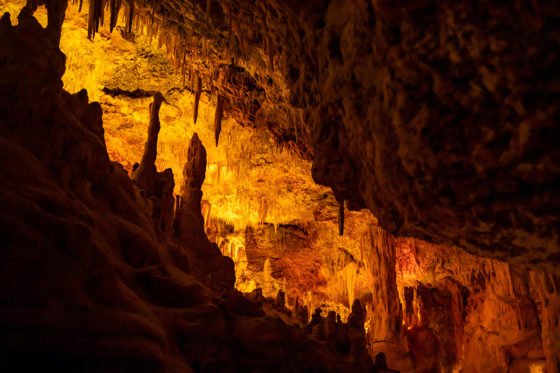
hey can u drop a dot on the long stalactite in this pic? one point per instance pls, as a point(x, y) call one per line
point(218, 116)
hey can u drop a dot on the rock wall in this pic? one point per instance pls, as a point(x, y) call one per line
point(484, 314)
point(433, 116)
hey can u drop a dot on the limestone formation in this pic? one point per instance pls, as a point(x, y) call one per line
point(79, 240)
point(188, 219)
point(438, 117)
point(430, 116)
point(144, 173)
point(158, 186)
point(197, 94)
point(218, 118)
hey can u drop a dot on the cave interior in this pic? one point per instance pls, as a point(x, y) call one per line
point(280, 186)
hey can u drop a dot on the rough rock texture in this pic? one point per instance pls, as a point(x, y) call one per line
point(434, 112)
point(87, 282)
point(438, 116)
point(477, 313)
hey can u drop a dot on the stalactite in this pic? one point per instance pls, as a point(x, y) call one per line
point(341, 217)
point(130, 16)
point(155, 32)
point(197, 94)
point(115, 7)
point(204, 48)
point(218, 118)
point(381, 258)
point(184, 66)
point(177, 202)
point(95, 16)
point(263, 210)
point(160, 36)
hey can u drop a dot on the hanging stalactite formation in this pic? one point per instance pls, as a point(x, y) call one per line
point(218, 118)
point(96, 15)
point(197, 94)
point(115, 7)
point(130, 16)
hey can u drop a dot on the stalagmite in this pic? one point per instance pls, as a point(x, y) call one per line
point(147, 165)
point(197, 94)
point(330, 327)
point(215, 270)
point(189, 220)
point(218, 118)
point(156, 184)
point(281, 299)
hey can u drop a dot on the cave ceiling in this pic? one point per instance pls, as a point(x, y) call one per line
point(437, 117)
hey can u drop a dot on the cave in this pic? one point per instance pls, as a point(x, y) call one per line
point(279, 186)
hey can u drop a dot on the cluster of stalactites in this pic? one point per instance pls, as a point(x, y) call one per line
point(181, 48)
point(96, 14)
